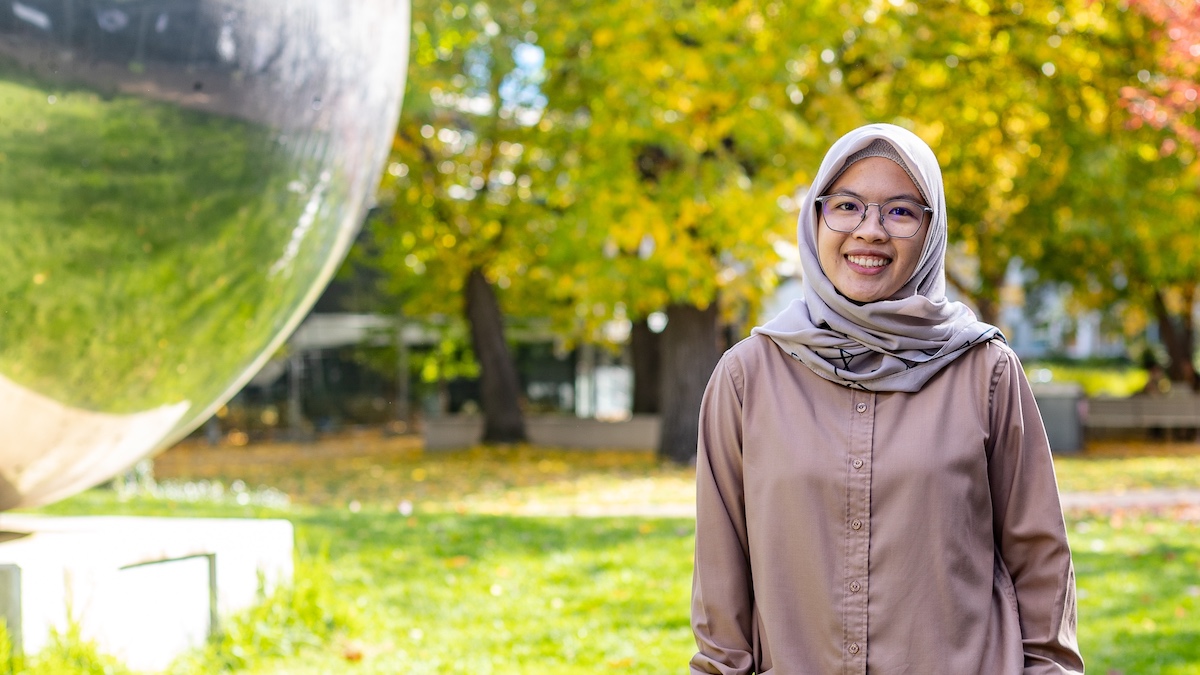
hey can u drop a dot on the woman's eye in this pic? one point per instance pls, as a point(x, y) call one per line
point(849, 207)
point(902, 212)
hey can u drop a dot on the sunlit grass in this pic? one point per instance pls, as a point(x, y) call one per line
point(435, 558)
point(1138, 577)
point(1108, 474)
point(1135, 465)
point(385, 473)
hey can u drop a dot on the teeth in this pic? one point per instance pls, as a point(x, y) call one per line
point(867, 260)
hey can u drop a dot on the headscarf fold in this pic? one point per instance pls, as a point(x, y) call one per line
point(896, 344)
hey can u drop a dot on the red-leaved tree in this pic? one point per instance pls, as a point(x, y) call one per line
point(1168, 98)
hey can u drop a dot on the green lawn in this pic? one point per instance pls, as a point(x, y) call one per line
point(466, 583)
point(1139, 592)
point(1115, 474)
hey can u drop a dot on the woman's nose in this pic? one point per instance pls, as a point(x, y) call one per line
point(871, 228)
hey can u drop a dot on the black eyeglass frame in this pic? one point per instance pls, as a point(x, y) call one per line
point(820, 202)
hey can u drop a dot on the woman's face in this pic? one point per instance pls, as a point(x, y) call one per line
point(867, 264)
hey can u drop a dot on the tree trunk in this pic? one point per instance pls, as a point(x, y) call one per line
point(689, 353)
point(646, 348)
point(1178, 335)
point(402, 409)
point(501, 389)
point(989, 309)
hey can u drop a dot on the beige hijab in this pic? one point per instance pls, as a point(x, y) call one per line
point(887, 345)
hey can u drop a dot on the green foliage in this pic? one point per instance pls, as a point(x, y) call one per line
point(298, 617)
point(11, 662)
point(688, 122)
point(470, 184)
point(69, 652)
point(447, 359)
point(639, 164)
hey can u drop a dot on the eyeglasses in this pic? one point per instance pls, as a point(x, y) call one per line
point(900, 218)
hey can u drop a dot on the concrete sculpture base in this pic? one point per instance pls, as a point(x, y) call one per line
point(145, 589)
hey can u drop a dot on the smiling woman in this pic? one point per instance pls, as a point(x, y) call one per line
point(874, 484)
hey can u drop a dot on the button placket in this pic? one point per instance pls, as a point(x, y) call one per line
point(858, 532)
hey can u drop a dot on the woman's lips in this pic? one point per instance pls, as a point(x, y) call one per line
point(868, 264)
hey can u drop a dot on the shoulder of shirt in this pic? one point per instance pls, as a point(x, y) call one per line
point(998, 343)
point(1001, 355)
point(994, 352)
point(1001, 362)
point(752, 348)
point(750, 355)
point(985, 363)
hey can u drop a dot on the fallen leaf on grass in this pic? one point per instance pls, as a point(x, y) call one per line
point(352, 651)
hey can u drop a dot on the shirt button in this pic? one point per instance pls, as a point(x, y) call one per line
point(861, 407)
point(855, 587)
point(853, 649)
point(856, 524)
point(857, 463)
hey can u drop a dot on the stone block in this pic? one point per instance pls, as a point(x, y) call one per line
point(144, 589)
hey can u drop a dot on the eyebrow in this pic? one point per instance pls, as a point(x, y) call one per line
point(909, 197)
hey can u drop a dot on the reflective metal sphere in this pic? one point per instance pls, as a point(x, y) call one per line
point(178, 181)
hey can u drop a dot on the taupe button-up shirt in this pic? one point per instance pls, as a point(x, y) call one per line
point(845, 531)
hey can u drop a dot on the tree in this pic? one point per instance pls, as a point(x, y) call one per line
point(1168, 96)
point(645, 347)
point(1167, 99)
point(471, 191)
point(687, 122)
point(1132, 200)
point(612, 209)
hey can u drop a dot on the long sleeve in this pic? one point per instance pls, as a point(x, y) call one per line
point(722, 602)
point(1028, 525)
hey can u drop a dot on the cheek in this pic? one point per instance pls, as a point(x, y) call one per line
point(912, 255)
point(828, 243)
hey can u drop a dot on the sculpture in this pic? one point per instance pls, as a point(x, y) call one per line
point(178, 181)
